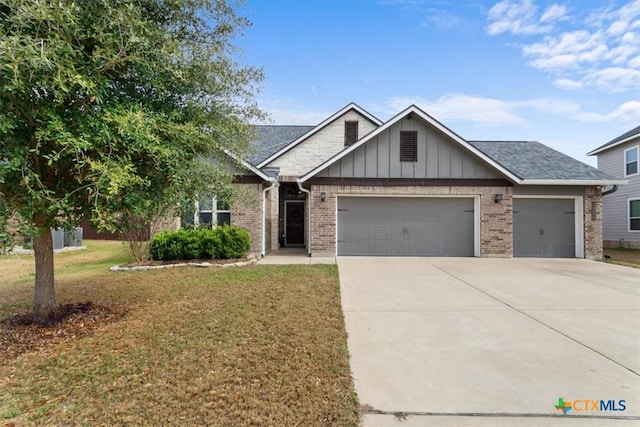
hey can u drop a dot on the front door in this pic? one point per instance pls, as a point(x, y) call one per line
point(294, 223)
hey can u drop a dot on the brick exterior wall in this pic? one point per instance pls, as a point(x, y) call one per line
point(593, 223)
point(274, 201)
point(246, 212)
point(496, 220)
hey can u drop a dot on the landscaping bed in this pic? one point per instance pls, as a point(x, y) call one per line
point(256, 345)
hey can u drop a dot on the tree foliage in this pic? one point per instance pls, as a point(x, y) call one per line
point(116, 106)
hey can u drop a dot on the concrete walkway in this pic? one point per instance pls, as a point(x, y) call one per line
point(285, 256)
point(452, 341)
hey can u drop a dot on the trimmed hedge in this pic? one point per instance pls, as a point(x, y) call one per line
point(222, 242)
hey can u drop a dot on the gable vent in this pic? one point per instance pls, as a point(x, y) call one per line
point(350, 132)
point(409, 146)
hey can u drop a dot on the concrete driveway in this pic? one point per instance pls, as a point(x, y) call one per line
point(469, 341)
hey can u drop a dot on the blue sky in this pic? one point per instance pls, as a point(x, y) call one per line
point(565, 73)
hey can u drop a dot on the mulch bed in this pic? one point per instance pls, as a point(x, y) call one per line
point(21, 333)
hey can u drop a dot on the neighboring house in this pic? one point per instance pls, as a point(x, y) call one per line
point(621, 205)
point(353, 185)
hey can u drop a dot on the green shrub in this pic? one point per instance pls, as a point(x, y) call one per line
point(231, 241)
point(223, 242)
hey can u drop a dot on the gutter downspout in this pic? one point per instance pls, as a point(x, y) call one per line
point(274, 184)
point(613, 190)
point(304, 190)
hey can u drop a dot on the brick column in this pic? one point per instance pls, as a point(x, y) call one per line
point(593, 223)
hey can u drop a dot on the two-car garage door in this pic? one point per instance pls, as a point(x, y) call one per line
point(406, 226)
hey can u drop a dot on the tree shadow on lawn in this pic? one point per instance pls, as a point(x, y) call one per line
point(21, 333)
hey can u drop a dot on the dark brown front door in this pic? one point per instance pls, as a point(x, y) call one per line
point(294, 223)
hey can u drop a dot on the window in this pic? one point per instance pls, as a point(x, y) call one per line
point(631, 161)
point(409, 146)
point(350, 132)
point(634, 214)
point(211, 212)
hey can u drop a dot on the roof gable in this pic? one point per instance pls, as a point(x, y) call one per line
point(408, 113)
point(625, 137)
point(411, 148)
point(318, 128)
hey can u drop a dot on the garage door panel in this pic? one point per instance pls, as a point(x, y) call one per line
point(544, 228)
point(406, 226)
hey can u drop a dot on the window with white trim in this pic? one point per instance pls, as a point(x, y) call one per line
point(210, 212)
point(634, 214)
point(631, 161)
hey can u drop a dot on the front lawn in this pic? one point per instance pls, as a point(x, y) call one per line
point(259, 345)
point(623, 256)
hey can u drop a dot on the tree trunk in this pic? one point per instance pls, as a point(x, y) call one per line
point(45, 296)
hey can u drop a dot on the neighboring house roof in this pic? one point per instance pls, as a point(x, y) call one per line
point(319, 127)
point(272, 138)
point(627, 136)
point(536, 163)
point(526, 163)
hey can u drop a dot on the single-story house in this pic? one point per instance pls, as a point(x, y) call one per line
point(410, 186)
point(620, 158)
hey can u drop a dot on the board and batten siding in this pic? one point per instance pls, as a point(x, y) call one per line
point(438, 157)
point(615, 206)
point(320, 146)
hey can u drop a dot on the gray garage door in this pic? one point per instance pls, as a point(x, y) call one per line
point(544, 228)
point(403, 226)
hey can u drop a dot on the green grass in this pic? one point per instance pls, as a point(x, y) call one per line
point(259, 345)
point(623, 256)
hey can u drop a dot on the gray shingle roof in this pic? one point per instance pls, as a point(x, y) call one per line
point(533, 160)
point(614, 141)
point(271, 138)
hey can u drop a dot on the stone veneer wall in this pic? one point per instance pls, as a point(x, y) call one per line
point(593, 223)
point(496, 221)
point(320, 146)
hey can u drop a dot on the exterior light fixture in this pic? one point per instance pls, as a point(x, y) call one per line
point(323, 196)
point(497, 198)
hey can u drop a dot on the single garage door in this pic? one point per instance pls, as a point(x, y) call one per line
point(544, 228)
point(405, 226)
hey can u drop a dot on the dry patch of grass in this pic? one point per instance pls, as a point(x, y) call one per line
point(260, 345)
point(623, 256)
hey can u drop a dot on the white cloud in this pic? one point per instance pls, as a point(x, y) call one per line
point(492, 112)
point(600, 51)
point(635, 62)
point(516, 18)
point(618, 27)
point(629, 111)
point(614, 79)
point(555, 12)
point(455, 107)
point(568, 84)
point(569, 50)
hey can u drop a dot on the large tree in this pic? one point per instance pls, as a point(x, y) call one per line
point(109, 107)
